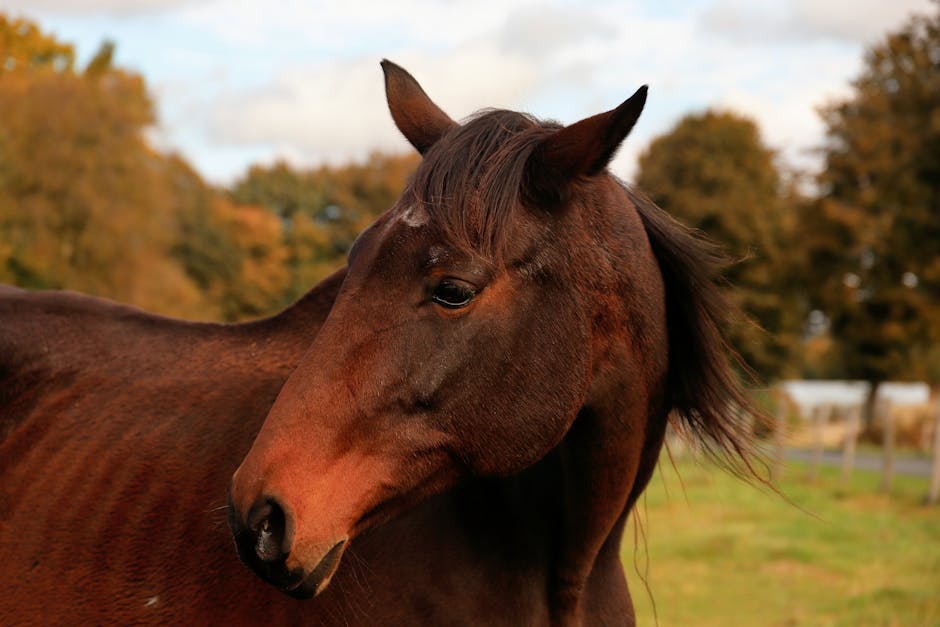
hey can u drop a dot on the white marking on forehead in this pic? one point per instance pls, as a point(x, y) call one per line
point(435, 255)
point(415, 216)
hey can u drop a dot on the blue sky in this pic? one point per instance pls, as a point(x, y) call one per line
point(243, 81)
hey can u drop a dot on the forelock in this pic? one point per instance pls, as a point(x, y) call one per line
point(470, 180)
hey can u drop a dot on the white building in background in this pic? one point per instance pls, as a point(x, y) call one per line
point(808, 394)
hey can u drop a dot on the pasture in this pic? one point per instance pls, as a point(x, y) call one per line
point(722, 552)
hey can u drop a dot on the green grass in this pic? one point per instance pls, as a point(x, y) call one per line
point(722, 552)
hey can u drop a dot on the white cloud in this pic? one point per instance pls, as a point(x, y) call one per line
point(336, 112)
point(539, 32)
point(856, 21)
point(338, 26)
point(241, 80)
point(562, 63)
point(86, 7)
point(520, 56)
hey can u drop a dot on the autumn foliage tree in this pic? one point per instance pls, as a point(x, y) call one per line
point(713, 172)
point(234, 252)
point(24, 47)
point(83, 198)
point(874, 233)
point(323, 209)
point(86, 203)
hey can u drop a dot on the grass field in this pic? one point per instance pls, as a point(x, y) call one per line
point(722, 552)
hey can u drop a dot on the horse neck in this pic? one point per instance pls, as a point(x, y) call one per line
point(610, 451)
point(294, 328)
point(552, 531)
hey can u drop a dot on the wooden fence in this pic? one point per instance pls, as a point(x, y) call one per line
point(823, 414)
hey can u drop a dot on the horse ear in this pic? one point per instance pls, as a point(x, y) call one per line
point(581, 149)
point(420, 120)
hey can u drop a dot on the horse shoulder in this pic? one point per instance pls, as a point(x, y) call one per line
point(27, 352)
point(119, 424)
point(92, 351)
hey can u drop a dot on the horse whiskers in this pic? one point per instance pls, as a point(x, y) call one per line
point(357, 563)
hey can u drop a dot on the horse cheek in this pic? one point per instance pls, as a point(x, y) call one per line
point(529, 408)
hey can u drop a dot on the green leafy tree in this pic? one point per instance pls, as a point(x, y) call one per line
point(283, 190)
point(874, 233)
point(322, 210)
point(713, 172)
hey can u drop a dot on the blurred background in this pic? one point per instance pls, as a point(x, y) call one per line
point(214, 160)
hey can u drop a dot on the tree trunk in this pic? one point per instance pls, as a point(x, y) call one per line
point(868, 409)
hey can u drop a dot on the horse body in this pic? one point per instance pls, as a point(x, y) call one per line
point(120, 430)
point(452, 430)
point(121, 434)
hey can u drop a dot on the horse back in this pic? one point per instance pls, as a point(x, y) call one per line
point(51, 341)
point(119, 432)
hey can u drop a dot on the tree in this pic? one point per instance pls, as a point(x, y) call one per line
point(83, 199)
point(713, 172)
point(23, 47)
point(874, 232)
point(86, 203)
point(322, 210)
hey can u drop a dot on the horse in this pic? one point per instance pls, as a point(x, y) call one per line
point(452, 429)
point(509, 340)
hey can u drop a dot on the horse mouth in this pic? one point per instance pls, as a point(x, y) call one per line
point(319, 578)
point(295, 581)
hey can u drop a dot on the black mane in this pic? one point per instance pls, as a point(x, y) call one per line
point(703, 389)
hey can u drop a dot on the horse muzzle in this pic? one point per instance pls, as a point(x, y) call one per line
point(264, 539)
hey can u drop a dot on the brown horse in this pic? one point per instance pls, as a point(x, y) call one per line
point(463, 417)
point(511, 334)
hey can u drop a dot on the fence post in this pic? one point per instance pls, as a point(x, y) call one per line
point(887, 422)
point(933, 494)
point(780, 426)
point(820, 413)
point(852, 418)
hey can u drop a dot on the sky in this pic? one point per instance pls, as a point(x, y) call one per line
point(239, 82)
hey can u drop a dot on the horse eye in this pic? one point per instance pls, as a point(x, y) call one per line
point(452, 295)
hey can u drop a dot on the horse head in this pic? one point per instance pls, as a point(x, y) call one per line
point(479, 316)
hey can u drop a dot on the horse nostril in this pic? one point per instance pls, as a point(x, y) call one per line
point(267, 523)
